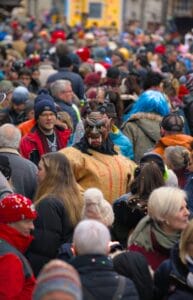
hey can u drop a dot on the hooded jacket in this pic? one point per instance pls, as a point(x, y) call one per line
point(179, 139)
point(143, 130)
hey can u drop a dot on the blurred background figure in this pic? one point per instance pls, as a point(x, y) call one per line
point(58, 280)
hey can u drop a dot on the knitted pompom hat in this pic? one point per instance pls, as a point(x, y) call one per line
point(16, 207)
point(58, 275)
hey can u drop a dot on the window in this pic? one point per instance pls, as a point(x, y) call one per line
point(95, 10)
point(183, 8)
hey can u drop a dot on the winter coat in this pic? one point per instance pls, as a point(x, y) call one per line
point(143, 130)
point(122, 141)
point(188, 110)
point(150, 240)
point(23, 172)
point(52, 229)
point(170, 279)
point(9, 115)
point(32, 146)
point(5, 188)
point(25, 127)
point(179, 139)
point(128, 211)
point(100, 281)
point(134, 266)
point(189, 191)
point(16, 277)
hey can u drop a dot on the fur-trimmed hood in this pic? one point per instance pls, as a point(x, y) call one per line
point(142, 115)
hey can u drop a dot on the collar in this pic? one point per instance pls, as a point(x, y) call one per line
point(9, 150)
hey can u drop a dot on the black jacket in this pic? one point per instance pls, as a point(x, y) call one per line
point(100, 281)
point(170, 279)
point(188, 110)
point(52, 229)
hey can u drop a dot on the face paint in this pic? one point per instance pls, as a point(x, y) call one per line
point(97, 127)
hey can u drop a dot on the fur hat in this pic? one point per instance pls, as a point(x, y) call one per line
point(96, 207)
point(57, 275)
point(20, 95)
point(16, 207)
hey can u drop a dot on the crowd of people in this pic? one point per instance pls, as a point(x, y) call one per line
point(96, 162)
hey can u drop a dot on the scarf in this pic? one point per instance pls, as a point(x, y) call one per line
point(142, 235)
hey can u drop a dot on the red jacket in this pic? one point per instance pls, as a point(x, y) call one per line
point(33, 145)
point(14, 285)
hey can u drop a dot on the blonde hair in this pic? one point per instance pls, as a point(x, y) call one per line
point(185, 239)
point(60, 182)
point(165, 202)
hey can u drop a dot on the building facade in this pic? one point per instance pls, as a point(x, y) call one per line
point(118, 12)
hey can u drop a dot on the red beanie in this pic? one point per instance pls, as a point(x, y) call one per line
point(16, 207)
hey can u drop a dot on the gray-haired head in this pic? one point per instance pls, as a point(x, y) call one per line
point(91, 237)
point(58, 86)
point(10, 136)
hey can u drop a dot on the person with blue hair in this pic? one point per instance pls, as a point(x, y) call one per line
point(141, 124)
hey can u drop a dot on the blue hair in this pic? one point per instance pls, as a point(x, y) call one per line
point(150, 101)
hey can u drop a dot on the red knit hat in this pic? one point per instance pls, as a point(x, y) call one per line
point(16, 207)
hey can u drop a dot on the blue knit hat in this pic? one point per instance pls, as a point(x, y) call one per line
point(58, 275)
point(44, 105)
point(20, 95)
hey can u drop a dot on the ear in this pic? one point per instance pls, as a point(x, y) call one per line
point(73, 249)
point(109, 247)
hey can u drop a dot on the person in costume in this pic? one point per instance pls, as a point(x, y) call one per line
point(95, 161)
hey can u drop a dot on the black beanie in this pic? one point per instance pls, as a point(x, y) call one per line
point(44, 105)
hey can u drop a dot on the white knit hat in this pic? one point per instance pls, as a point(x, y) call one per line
point(96, 207)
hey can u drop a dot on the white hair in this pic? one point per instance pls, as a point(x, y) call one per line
point(59, 85)
point(91, 237)
point(165, 202)
point(10, 136)
point(96, 207)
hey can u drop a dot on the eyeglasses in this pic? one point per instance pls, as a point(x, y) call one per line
point(65, 92)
